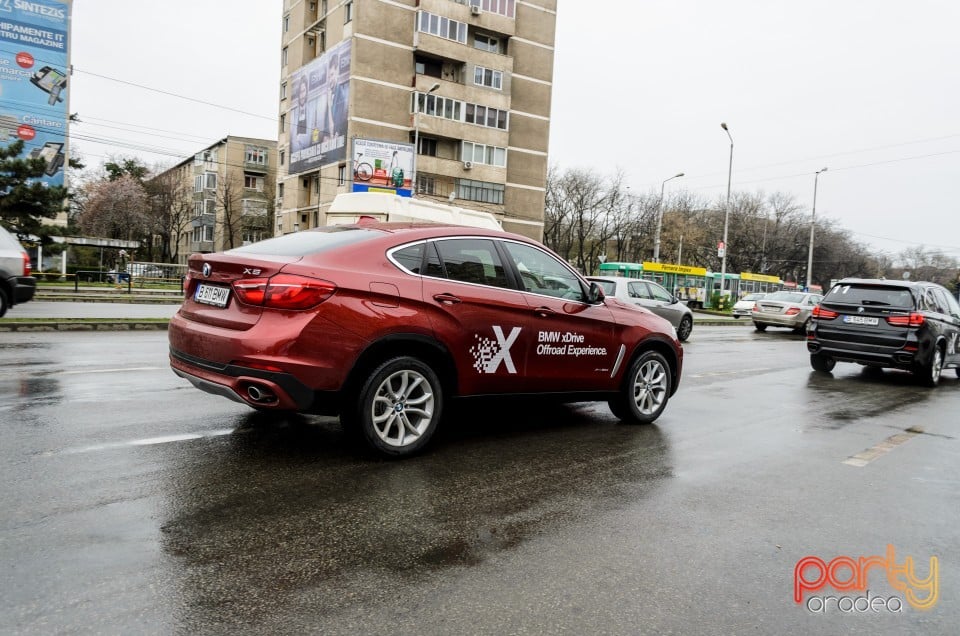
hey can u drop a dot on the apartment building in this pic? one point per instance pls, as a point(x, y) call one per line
point(223, 196)
point(464, 83)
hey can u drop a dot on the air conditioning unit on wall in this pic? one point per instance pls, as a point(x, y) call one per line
point(475, 9)
point(467, 165)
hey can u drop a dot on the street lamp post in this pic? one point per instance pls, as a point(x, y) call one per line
point(726, 215)
point(416, 135)
point(656, 239)
point(813, 220)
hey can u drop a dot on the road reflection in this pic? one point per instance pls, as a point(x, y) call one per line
point(288, 510)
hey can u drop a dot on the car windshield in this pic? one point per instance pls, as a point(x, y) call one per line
point(871, 295)
point(787, 297)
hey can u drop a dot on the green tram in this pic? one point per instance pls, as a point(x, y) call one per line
point(690, 284)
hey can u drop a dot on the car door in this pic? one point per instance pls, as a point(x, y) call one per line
point(572, 346)
point(478, 315)
point(949, 318)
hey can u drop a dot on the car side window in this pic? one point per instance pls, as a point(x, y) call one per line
point(940, 298)
point(637, 290)
point(659, 293)
point(434, 266)
point(542, 273)
point(472, 260)
point(953, 307)
point(410, 257)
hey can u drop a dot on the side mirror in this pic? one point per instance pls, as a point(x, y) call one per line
point(594, 294)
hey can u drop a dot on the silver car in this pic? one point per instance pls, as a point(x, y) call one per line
point(652, 296)
point(790, 309)
point(16, 284)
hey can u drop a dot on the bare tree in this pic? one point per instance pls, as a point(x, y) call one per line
point(171, 209)
point(229, 196)
point(116, 209)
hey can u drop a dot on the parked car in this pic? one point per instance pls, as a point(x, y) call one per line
point(652, 296)
point(384, 323)
point(887, 324)
point(744, 306)
point(789, 309)
point(16, 283)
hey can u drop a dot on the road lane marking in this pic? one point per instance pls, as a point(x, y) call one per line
point(147, 441)
point(710, 374)
point(117, 370)
point(864, 457)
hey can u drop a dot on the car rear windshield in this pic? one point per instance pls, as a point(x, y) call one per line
point(309, 242)
point(787, 297)
point(871, 295)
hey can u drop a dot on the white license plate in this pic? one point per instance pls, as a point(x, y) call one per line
point(861, 320)
point(212, 295)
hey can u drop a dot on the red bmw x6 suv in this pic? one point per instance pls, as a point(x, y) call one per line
point(383, 323)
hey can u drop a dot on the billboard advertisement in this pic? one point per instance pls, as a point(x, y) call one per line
point(318, 115)
point(382, 166)
point(33, 80)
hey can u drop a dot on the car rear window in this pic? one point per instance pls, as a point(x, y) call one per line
point(871, 295)
point(308, 242)
point(788, 297)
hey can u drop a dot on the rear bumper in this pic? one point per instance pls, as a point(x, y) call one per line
point(892, 358)
point(779, 320)
point(24, 287)
point(261, 389)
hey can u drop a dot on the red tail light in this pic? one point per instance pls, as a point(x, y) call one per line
point(913, 320)
point(284, 291)
point(824, 314)
point(27, 267)
point(793, 311)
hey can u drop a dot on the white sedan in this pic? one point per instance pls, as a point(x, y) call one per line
point(649, 295)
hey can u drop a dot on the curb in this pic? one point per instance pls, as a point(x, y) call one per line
point(83, 325)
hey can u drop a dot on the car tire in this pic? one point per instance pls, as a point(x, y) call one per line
point(759, 326)
point(4, 304)
point(685, 328)
point(929, 373)
point(822, 363)
point(736, 317)
point(398, 408)
point(645, 390)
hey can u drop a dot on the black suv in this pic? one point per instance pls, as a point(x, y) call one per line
point(884, 323)
point(16, 283)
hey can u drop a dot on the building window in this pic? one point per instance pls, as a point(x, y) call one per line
point(198, 183)
point(283, 90)
point(486, 43)
point(280, 192)
point(487, 77)
point(211, 180)
point(283, 155)
point(442, 27)
point(283, 122)
point(501, 7)
point(348, 12)
point(426, 184)
point(427, 146)
point(286, 23)
point(459, 111)
point(341, 174)
point(283, 56)
point(253, 182)
point(481, 191)
point(256, 155)
point(480, 153)
point(197, 208)
point(209, 206)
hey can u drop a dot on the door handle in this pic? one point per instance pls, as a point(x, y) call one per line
point(446, 299)
point(544, 312)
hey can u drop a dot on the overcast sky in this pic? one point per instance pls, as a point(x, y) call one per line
point(867, 88)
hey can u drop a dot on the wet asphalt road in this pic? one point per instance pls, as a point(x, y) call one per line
point(132, 502)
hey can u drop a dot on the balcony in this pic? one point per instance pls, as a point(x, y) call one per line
point(208, 220)
point(253, 166)
point(201, 246)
